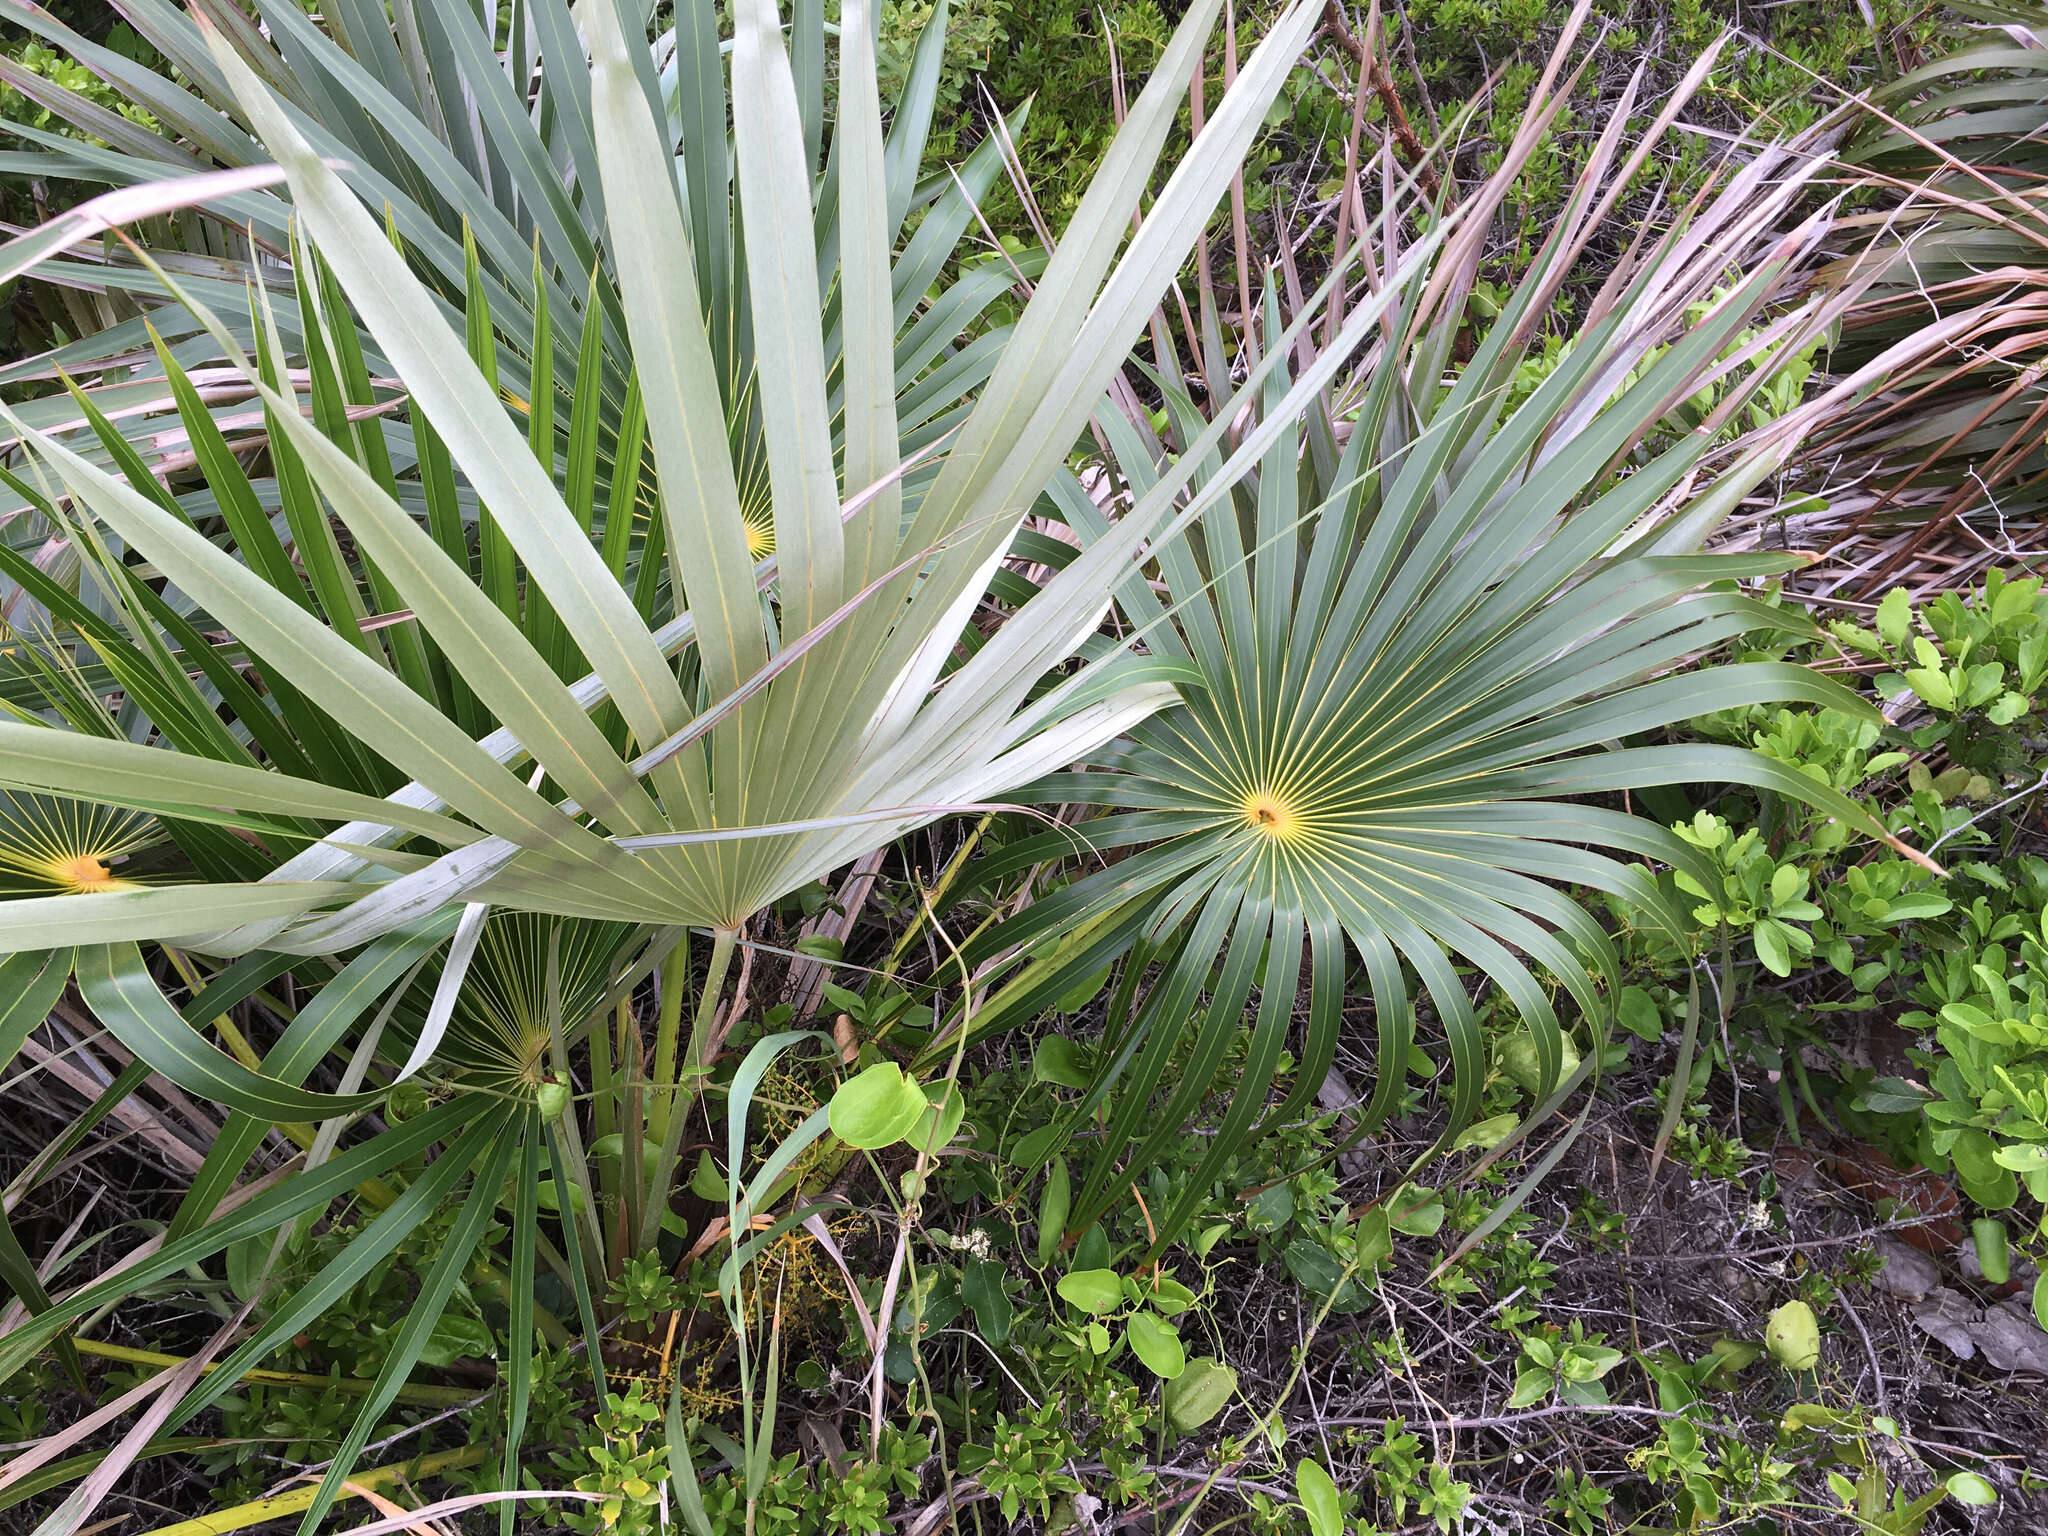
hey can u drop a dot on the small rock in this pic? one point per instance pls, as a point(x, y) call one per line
point(1907, 1273)
point(1734, 1282)
point(1337, 1096)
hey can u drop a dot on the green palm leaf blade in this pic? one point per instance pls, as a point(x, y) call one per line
point(379, 1238)
point(775, 144)
point(116, 985)
point(672, 353)
point(492, 1162)
point(263, 1214)
point(469, 418)
point(884, 754)
point(399, 100)
point(314, 1031)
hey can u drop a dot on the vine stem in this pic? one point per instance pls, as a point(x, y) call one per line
point(911, 1210)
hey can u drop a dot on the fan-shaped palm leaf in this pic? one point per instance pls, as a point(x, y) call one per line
point(721, 811)
point(67, 846)
point(1413, 655)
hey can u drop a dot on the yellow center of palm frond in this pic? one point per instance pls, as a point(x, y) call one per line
point(83, 872)
point(760, 534)
point(1272, 815)
point(67, 847)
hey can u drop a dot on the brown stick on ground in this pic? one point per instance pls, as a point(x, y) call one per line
point(1373, 72)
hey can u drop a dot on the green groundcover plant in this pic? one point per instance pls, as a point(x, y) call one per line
point(543, 534)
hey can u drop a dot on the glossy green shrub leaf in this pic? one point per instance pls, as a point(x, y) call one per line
point(1317, 1491)
point(455, 1337)
point(1970, 1488)
point(1486, 1134)
point(981, 1287)
point(1157, 1343)
point(1374, 1237)
point(1417, 1212)
point(707, 1183)
point(1033, 1147)
point(1793, 1336)
point(1638, 1013)
point(1987, 1233)
point(1169, 1297)
point(1977, 1166)
point(1053, 1204)
point(553, 1099)
point(1058, 1060)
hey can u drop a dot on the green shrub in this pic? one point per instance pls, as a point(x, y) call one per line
point(1792, 64)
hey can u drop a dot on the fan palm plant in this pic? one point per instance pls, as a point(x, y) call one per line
point(869, 594)
point(401, 681)
point(1426, 624)
point(485, 168)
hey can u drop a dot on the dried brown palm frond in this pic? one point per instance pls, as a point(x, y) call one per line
point(1941, 471)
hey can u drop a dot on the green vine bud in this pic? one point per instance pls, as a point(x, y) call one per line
point(553, 1099)
point(405, 1100)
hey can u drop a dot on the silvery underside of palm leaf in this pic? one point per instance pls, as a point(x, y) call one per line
point(812, 728)
point(1423, 628)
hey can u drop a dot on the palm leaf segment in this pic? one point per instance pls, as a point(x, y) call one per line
point(485, 169)
point(1408, 660)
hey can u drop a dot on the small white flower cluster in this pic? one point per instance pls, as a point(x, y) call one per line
point(1759, 1216)
point(974, 1243)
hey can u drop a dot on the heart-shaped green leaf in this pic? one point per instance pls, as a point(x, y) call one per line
point(1092, 1290)
point(1154, 1341)
point(877, 1107)
point(1969, 1488)
point(1417, 1212)
point(1200, 1392)
point(945, 1108)
point(1058, 1060)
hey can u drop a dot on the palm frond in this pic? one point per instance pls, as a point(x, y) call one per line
point(1411, 648)
point(1939, 473)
